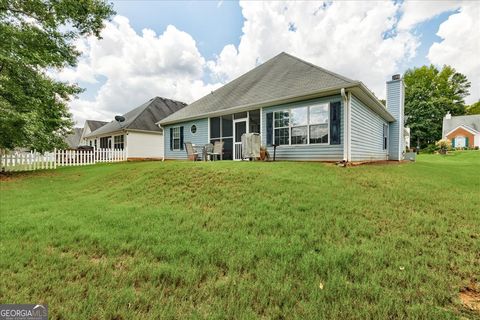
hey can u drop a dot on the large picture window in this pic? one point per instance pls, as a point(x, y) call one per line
point(118, 142)
point(176, 138)
point(304, 125)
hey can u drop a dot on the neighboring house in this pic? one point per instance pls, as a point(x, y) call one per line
point(89, 127)
point(310, 113)
point(463, 131)
point(138, 134)
point(73, 139)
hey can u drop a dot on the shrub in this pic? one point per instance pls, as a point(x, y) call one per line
point(431, 148)
point(443, 145)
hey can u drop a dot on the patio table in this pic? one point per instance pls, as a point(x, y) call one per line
point(201, 150)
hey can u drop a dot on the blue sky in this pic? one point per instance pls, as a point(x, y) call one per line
point(212, 24)
point(211, 42)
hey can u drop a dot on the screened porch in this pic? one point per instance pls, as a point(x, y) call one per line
point(230, 128)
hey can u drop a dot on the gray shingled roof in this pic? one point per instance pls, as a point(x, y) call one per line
point(280, 77)
point(73, 139)
point(95, 124)
point(143, 117)
point(472, 122)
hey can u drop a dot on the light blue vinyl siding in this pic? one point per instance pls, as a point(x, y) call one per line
point(395, 101)
point(308, 152)
point(200, 137)
point(367, 133)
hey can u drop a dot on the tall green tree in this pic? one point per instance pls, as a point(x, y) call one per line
point(431, 93)
point(474, 108)
point(38, 36)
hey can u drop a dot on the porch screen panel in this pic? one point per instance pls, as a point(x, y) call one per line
point(215, 127)
point(221, 129)
point(227, 149)
point(227, 126)
point(240, 129)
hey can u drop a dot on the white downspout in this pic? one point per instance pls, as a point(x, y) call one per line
point(349, 101)
point(347, 125)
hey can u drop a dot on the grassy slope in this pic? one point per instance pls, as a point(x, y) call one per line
point(243, 240)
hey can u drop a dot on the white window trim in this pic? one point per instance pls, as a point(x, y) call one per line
point(122, 142)
point(307, 125)
point(174, 138)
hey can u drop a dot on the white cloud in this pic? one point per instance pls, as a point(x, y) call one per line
point(361, 40)
point(460, 46)
point(415, 12)
point(355, 39)
point(136, 68)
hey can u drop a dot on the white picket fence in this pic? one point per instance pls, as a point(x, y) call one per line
point(26, 161)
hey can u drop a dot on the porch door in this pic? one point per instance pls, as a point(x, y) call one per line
point(239, 128)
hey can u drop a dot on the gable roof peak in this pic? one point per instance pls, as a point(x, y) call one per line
point(143, 117)
point(283, 76)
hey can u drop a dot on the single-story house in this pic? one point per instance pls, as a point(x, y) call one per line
point(308, 112)
point(89, 127)
point(137, 133)
point(463, 131)
point(73, 139)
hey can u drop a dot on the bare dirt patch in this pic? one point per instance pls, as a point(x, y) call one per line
point(470, 296)
point(378, 162)
point(17, 176)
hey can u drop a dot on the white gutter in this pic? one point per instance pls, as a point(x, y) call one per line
point(257, 105)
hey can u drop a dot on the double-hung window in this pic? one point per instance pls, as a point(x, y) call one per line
point(299, 125)
point(303, 125)
point(319, 123)
point(176, 138)
point(118, 142)
point(281, 126)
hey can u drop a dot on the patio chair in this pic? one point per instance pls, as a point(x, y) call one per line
point(207, 149)
point(217, 150)
point(191, 153)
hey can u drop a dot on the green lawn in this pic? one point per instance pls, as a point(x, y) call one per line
point(244, 240)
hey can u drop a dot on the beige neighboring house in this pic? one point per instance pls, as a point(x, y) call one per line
point(89, 127)
point(73, 139)
point(138, 134)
